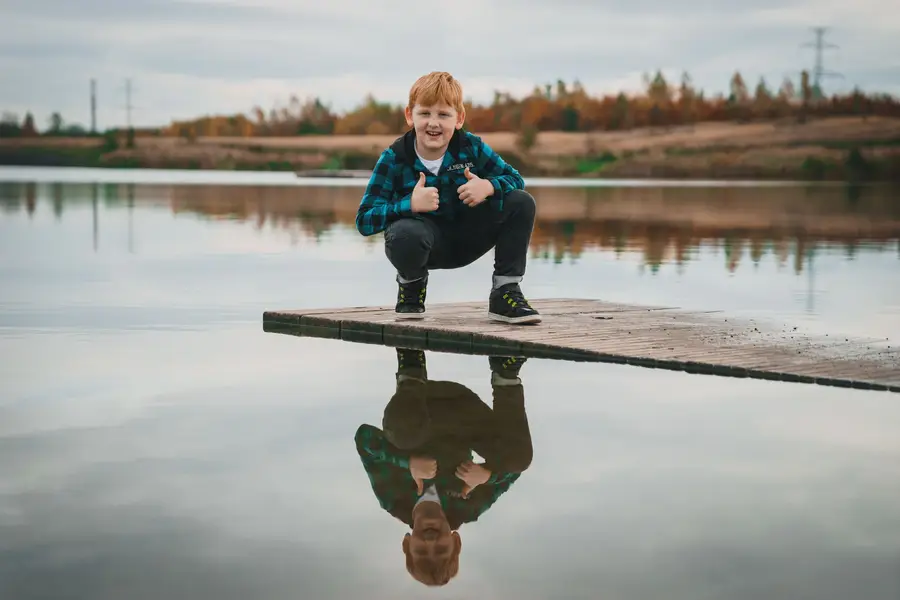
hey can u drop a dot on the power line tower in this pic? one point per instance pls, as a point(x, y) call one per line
point(819, 70)
point(128, 108)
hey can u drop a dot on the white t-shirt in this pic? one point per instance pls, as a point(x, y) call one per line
point(432, 165)
point(429, 495)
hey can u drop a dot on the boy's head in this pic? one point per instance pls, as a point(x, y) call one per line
point(431, 549)
point(435, 110)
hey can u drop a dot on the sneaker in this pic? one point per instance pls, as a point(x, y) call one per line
point(411, 299)
point(508, 305)
point(411, 364)
point(506, 367)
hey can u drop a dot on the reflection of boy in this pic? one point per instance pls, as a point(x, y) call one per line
point(420, 465)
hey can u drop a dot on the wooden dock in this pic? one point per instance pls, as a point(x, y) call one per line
point(590, 330)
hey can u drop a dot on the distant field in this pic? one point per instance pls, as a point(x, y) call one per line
point(703, 135)
point(578, 144)
point(819, 149)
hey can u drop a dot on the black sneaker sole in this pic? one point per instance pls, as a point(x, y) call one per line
point(515, 320)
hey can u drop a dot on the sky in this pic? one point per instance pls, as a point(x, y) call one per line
point(187, 58)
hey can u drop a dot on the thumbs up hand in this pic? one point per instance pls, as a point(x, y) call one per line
point(475, 189)
point(472, 476)
point(424, 199)
point(421, 468)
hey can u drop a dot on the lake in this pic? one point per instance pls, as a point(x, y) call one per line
point(155, 442)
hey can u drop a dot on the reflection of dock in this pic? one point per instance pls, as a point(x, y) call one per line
point(590, 330)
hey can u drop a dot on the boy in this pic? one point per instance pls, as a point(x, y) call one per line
point(420, 464)
point(443, 198)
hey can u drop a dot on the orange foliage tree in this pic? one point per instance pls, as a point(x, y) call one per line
point(559, 107)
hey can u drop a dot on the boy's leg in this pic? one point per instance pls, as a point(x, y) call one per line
point(513, 238)
point(409, 245)
point(509, 233)
point(406, 422)
point(505, 442)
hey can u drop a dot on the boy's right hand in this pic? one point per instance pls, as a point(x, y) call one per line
point(424, 199)
point(422, 467)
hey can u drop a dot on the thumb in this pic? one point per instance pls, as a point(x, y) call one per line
point(419, 487)
point(465, 491)
point(421, 182)
point(468, 174)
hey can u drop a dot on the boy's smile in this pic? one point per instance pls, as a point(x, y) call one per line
point(434, 126)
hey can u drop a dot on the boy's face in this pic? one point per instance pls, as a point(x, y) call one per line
point(431, 542)
point(434, 127)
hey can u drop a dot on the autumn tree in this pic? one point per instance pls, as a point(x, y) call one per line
point(28, 127)
point(9, 125)
point(553, 106)
point(687, 100)
point(762, 99)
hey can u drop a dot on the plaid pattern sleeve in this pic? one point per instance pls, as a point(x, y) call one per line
point(505, 479)
point(379, 206)
point(375, 450)
point(491, 166)
point(387, 469)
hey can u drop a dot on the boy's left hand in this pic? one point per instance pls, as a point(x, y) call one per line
point(475, 190)
point(472, 475)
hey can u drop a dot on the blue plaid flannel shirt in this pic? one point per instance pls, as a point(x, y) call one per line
point(388, 470)
point(388, 193)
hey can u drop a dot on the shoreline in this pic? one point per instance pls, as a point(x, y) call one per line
point(831, 149)
point(151, 175)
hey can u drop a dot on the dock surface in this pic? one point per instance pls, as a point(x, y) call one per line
point(592, 330)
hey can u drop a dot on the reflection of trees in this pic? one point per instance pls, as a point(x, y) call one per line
point(663, 225)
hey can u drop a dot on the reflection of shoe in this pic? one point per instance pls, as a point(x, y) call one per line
point(508, 305)
point(411, 364)
point(507, 367)
point(411, 299)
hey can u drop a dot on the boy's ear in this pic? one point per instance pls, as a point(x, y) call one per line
point(460, 119)
point(407, 112)
point(406, 544)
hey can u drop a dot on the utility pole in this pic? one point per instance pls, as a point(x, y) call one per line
point(128, 103)
point(93, 106)
point(819, 70)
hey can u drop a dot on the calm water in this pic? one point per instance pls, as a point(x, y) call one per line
point(156, 443)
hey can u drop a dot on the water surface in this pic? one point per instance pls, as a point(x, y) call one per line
point(155, 442)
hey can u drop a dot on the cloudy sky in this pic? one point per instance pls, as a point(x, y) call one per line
point(191, 57)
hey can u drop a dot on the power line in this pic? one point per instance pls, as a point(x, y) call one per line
point(819, 70)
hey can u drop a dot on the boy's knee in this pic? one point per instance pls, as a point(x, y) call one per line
point(406, 234)
point(520, 460)
point(406, 229)
point(521, 201)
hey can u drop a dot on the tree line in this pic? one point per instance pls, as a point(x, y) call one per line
point(552, 107)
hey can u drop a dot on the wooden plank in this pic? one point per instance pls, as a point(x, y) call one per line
point(587, 329)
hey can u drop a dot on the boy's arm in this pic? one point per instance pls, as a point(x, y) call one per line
point(388, 471)
point(377, 207)
point(491, 166)
point(374, 449)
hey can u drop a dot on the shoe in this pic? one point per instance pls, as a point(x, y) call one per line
point(411, 299)
point(507, 367)
point(508, 305)
point(411, 364)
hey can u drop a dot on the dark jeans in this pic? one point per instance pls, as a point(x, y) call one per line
point(416, 245)
point(445, 420)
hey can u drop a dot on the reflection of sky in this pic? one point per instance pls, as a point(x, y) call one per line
point(154, 439)
point(221, 464)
